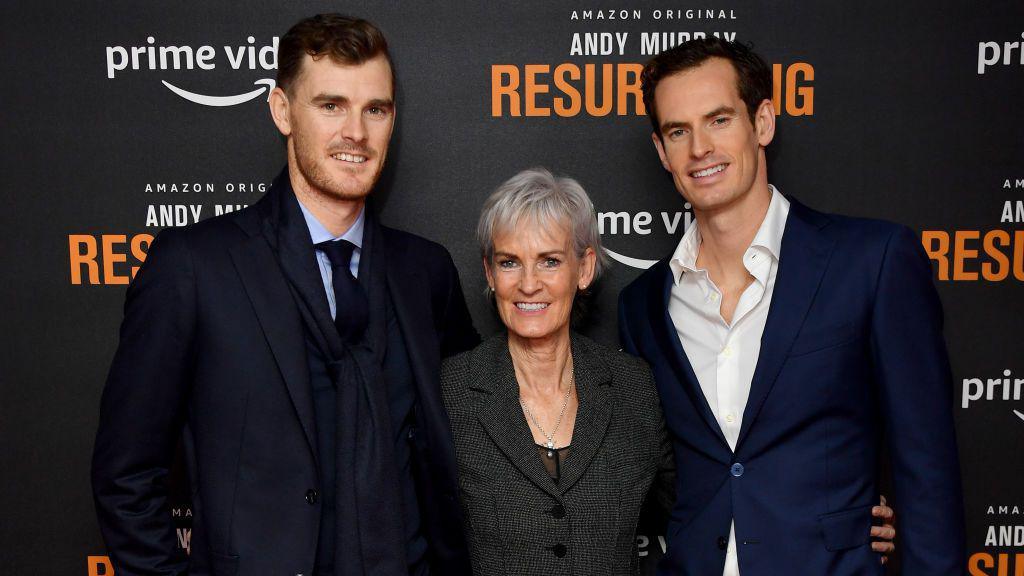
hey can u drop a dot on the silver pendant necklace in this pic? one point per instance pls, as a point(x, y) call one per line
point(550, 445)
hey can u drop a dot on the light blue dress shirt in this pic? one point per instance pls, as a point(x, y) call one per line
point(318, 233)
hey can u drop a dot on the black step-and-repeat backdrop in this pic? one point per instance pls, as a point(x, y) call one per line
point(123, 118)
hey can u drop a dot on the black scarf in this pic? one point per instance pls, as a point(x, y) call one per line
point(369, 522)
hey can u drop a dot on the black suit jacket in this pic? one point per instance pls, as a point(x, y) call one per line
point(212, 345)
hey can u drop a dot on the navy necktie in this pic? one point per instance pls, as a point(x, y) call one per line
point(350, 302)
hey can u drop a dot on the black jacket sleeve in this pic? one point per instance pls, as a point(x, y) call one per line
point(142, 413)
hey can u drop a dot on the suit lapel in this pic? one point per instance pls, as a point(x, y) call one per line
point(592, 378)
point(272, 300)
point(804, 257)
point(667, 337)
point(289, 234)
point(502, 417)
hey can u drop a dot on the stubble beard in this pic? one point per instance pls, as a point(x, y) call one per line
point(320, 181)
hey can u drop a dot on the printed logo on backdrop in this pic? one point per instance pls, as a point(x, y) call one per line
point(1005, 390)
point(992, 255)
point(1003, 552)
point(114, 258)
point(102, 565)
point(1000, 54)
point(153, 58)
point(600, 77)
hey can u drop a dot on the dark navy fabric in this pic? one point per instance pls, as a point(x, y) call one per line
point(852, 348)
point(213, 347)
point(401, 390)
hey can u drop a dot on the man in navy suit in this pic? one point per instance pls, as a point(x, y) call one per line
point(296, 346)
point(785, 343)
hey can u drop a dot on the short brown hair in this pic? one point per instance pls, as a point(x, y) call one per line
point(344, 39)
point(753, 76)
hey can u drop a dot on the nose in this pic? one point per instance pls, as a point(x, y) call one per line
point(353, 128)
point(529, 282)
point(701, 144)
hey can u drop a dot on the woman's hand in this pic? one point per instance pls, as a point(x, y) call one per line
point(884, 533)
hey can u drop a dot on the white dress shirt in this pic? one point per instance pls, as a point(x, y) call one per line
point(724, 355)
point(319, 233)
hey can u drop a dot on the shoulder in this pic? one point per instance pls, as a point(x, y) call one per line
point(616, 360)
point(636, 291)
point(404, 244)
point(629, 374)
point(412, 252)
point(212, 234)
point(860, 233)
point(460, 371)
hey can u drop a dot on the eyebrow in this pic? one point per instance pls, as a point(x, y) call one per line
point(498, 253)
point(324, 97)
point(382, 103)
point(721, 110)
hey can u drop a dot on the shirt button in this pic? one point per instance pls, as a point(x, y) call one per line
point(727, 352)
point(312, 496)
point(722, 542)
point(559, 550)
point(714, 296)
point(736, 470)
point(730, 418)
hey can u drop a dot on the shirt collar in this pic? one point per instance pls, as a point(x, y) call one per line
point(318, 233)
point(768, 236)
point(684, 259)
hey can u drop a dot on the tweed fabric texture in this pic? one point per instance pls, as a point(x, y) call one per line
point(518, 520)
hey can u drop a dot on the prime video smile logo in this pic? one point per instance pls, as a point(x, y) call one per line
point(155, 57)
point(642, 224)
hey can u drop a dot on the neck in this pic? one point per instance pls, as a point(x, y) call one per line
point(337, 215)
point(541, 363)
point(726, 233)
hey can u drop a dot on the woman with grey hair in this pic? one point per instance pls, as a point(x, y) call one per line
point(558, 438)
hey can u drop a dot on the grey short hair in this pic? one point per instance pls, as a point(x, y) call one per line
point(538, 196)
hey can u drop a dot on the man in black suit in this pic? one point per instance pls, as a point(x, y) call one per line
point(295, 347)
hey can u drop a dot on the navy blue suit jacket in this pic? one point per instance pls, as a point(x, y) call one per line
point(212, 344)
point(853, 349)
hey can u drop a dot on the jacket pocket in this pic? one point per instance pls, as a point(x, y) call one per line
point(846, 528)
point(823, 337)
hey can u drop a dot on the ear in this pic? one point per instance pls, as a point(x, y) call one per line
point(279, 106)
point(660, 147)
point(764, 122)
point(588, 265)
point(488, 274)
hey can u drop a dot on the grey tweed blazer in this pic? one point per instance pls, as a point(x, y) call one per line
point(517, 520)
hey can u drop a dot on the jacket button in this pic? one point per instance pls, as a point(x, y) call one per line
point(736, 470)
point(723, 542)
point(558, 511)
point(559, 550)
point(312, 496)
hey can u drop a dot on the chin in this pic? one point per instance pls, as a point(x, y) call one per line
point(346, 188)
